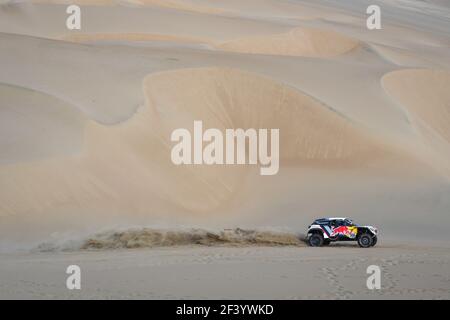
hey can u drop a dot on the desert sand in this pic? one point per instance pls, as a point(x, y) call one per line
point(230, 273)
point(85, 123)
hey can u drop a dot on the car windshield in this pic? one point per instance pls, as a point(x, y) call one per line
point(320, 221)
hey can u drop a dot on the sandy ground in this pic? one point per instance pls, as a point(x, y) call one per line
point(337, 272)
point(85, 122)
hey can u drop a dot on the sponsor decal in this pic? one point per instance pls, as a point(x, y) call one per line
point(345, 231)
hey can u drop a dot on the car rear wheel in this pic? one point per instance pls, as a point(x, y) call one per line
point(316, 240)
point(365, 240)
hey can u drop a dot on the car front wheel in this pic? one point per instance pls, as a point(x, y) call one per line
point(365, 240)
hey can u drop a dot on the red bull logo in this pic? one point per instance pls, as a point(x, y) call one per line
point(345, 231)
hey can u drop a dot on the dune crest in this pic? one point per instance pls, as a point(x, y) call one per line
point(171, 4)
point(34, 125)
point(230, 98)
point(402, 57)
point(304, 42)
point(425, 94)
point(133, 37)
point(182, 5)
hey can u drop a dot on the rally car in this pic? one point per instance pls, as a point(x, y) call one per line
point(326, 230)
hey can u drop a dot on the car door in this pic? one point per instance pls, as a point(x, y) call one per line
point(341, 229)
point(335, 229)
point(351, 229)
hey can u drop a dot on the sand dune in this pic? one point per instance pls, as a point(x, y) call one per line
point(229, 98)
point(183, 5)
point(304, 42)
point(431, 7)
point(60, 69)
point(403, 57)
point(172, 4)
point(140, 174)
point(310, 133)
point(131, 37)
point(34, 125)
point(49, 22)
point(425, 94)
point(298, 42)
point(262, 8)
point(129, 163)
point(251, 8)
